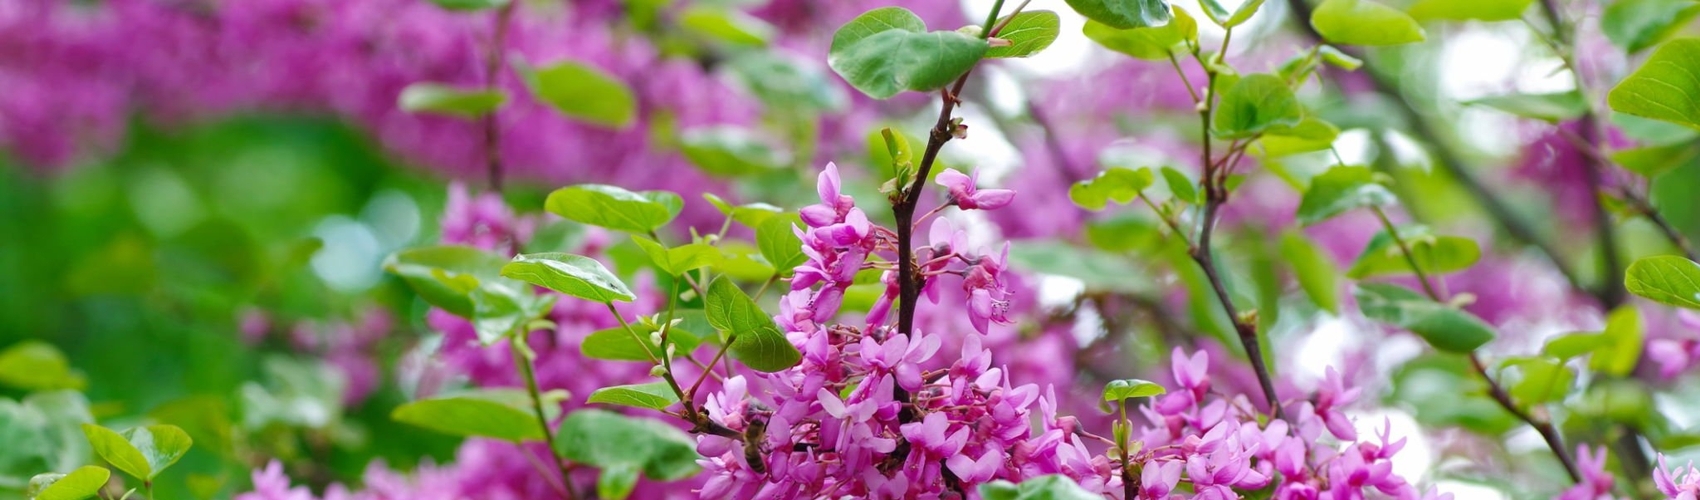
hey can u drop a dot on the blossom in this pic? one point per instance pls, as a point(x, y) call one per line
point(1681, 483)
point(965, 194)
point(1595, 483)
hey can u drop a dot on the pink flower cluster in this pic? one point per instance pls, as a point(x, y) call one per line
point(1681, 483)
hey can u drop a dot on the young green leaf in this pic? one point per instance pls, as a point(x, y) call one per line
point(1117, 184)
point(1463, 10)
point(728, 152)
point(1364, 22)
point(1258, 102)
point(1180, 186)
point(80, 484)
point(1028, 33)
point(1624, 340)
point(727, 25)
point(1214, 10)
point(1341, 189)
point(1636, 25)
point(1129, 388)
point(1049, 487)
point(779, 245)
point(756, 339)
point(1243, 14)
point(574, 275)
point(441, 99)
point(470, 5)
point(1435, 254)
point(582, 92)
point(1541, 380)
point(1149, 43)
point(1338, 58)
point(680, 259)
point(493, 413)
point(445, 276)
point(1124, 14)
point(616, 344)
point(614, 208)
point(142, 452)
point(750, 215)
point(888, 50)
point(616, 482)
point(1653, 161)
point(1309, 135)
point(1575, 344)
point(1443, 326)
point(1551, 107)
point(654, 395)
point(1313, 269)
point(34, 365)
point(499, 310)
point(1666, 87)
point(1666, 279)
point(605, 440)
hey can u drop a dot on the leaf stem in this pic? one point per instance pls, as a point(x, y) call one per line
point(523, 359)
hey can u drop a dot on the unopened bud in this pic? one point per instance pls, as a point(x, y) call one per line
point(655, 338)
point(971, 30)
point(657, 371)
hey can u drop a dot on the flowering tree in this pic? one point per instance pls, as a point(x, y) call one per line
point(627, 343)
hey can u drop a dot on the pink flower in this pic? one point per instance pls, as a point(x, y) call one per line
point(965, 194)
point(1681, 483)
point(834, 204)
point(1596, 482)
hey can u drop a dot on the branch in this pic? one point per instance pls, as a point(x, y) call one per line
point(1545, 428)
point(492, 64)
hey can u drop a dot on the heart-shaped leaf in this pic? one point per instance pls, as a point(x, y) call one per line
point(142, 452)
point(1340, 189)
point(888, 50)
point(1364, 22)
point(1117, 184)
point(574, 275)
point(445, 276)
point(80, 484)
point(1149, 43)
point(1258, 102)
point(1444, 327)
point(493, 413)
point(1666, 279)
point(607, 440)
point(654, 396)
point(1027, 33)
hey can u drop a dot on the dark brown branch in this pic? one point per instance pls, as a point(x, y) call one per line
point(492, 65)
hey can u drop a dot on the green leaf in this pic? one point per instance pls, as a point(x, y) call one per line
point(1444, 391)
point(1461, 10)
point(1636, 25)
point(1028, 33)
point(1309, 135)
point(756, 339)
point(1541, 380)
point(1364, 22)
point(779, 245)
point(607, 440)
point(1313, 269)
point(442, 99)
point(1124, 14)
point(470, 5)
point(499, 311)
point(1338, 58)
point(1666, 87)
point(1446, 328)
point(616, 482)
point(680, 259)
point(1096, 269)
point(726, 25)
point(1624, 340)
point(654, 395)
point(1653, 161)
point(1117, 184)
point(493, 413)
point(1129, 388)
point(82, 483)
point(750, 215)
point(1149, 43)
point(614, 208)
point(1341, 189)
point(445, 276)
point(616, 344)
point(33, 365)
point(1181, 186)
point(582, 92)
point(888, 50)
point(1243, 14)
point(786, 82)
point(1214, 10)
point(1048, 487)
point(1436, 254)
point(574, 275)
point(1552, 108)
point(142, 452)
point(1666, 279)
point(1256, 103)
point(1574, 344)
point(728, 152)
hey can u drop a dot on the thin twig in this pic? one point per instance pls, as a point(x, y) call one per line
point(524, 362)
